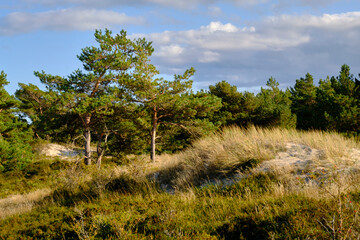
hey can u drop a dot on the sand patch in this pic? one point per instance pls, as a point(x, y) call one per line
point(296, 157)
point(56, 150)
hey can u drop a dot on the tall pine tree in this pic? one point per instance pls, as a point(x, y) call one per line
point(303, 97)
point(15, 135)
point(92, 95)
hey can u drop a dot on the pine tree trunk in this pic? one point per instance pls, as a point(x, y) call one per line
point(101, 149)
point(153, 136)
point(87, 147)
point(87, 141)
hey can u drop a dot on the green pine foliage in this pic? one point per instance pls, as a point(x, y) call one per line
point(15, 135)
point(333, 104)
point(45, 109)
point(338, 103)
point(303, 97)
point(237, 108)
point(168, 103)
point(274, 107)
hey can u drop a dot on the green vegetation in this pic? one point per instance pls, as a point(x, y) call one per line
point(177, 197)
point(15, 134)
point(212, 178)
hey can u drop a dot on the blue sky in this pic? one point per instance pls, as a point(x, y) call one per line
point(241, 41)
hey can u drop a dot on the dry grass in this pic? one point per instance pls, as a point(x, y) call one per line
point(222, 153)
point(18, 204)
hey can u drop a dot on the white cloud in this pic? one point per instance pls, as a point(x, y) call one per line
point(227, 37)
point(336, 22)
point(284, 47)
point(173, 53)
point(218, 26)
point(66, 19)
point(209, 56)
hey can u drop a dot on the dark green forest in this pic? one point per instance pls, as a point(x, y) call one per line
point(118, 103)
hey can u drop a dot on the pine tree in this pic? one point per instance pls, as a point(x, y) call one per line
point(303, 97)
point(237, 108)
point(168, 103)
point(338, 104)
point(274, 107)
point(15, 135)
point(93, 95)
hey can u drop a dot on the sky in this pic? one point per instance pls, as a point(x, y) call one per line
point(244, 42)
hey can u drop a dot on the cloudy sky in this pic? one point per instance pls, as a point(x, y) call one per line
point(241, 41)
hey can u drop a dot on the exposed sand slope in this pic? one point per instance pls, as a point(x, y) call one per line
point(56, 150)
point(300, 161)
point(301, 158)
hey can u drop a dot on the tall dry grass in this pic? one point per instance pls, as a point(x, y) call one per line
point(235, 149)
point(18, 204)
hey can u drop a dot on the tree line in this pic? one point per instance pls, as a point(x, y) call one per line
point(119, 102)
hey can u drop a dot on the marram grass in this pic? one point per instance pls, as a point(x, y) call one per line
point(222, 153)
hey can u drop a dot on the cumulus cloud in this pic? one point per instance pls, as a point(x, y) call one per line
point(336, 22)
point(283, 46)
point(209, 56)
point(173, 53)
point(227, 37)
point(218, 26)
point(66, 19)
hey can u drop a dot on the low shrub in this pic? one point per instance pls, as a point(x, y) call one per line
point(252, 186)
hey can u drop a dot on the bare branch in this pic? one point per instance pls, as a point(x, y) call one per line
point(73, 143)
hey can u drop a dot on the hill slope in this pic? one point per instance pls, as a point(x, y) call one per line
point(237, 184)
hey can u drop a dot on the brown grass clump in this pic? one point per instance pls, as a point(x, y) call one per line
point(18, 204)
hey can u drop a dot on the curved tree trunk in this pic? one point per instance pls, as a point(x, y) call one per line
point(101, 148)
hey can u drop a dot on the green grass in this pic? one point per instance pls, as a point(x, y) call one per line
point(39, 174)
point(201, 215)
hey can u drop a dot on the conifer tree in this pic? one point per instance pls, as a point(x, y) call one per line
point(168, 102)
point(92, 95)
point(303, 97)
point(237, 108)
point(15, 136)
point(338, 103)
point(274, 107)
